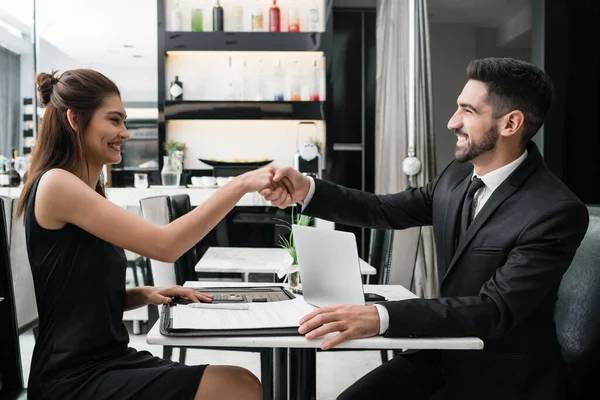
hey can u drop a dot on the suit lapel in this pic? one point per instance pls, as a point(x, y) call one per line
point(504, 191)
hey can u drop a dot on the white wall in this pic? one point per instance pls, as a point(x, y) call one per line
point(486, 45)
point(250, 140)
point(452, 47)
point(52, 58)
point(135, 83)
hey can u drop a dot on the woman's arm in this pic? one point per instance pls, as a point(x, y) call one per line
point(136, 297)
point(143, 295)
point(64, 198)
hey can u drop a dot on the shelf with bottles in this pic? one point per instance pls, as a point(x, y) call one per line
point(276, 16)
point(246, 76)
point(244, 110)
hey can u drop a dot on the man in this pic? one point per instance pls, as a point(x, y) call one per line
point(506, 230)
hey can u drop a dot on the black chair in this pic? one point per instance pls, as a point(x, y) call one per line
point(162, 210)
point(380, 257)
point(11, 376)
point(185, 265)
point(380, 253)
point(577, 315)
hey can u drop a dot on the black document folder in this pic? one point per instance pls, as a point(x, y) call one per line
point(250, 294)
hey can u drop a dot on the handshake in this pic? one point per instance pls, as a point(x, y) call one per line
point(282, 187)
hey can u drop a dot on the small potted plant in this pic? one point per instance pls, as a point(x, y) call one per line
point(173, 146)
point(175, 153)
point(292, 273)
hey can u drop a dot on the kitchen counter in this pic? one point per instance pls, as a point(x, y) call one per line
point(130, 197)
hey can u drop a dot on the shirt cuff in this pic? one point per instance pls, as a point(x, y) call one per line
point(384, 318)
point(309, 196)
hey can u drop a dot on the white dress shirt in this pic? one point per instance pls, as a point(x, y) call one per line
point(491, 181)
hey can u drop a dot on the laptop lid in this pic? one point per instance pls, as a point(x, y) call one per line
point(329, 266)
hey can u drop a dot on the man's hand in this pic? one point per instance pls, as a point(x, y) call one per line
point(296, 185)
point(162, 295)
point(353, 322)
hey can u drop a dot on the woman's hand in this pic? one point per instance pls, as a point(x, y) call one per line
point(262, 178)
point(163, 295)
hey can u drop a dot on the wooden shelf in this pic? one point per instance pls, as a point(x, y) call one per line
point(244, 41)
point(198, 110)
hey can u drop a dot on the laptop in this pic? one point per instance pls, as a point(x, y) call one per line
point(329, 266)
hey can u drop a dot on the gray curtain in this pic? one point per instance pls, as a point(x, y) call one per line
point(413, 258)
point(10, 101)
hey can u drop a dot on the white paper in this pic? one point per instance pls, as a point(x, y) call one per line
point(278, 314)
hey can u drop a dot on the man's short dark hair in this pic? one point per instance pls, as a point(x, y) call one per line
point(515, 85)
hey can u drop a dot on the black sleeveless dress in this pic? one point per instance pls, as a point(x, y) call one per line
point(82, 350)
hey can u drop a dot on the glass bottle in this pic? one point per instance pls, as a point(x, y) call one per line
point(244, 92)
point(257, 20)
point(176, 89)
point(197, 20)
point(230, 86)
point(313, 18)
point(4, 179)
point(21, 166)
point(260, 83)
point(274, 18)
point(314, 84)
point(176, 18)
point(238, 18)
point(14, 179)
point(293, 20)
point(170, 173)
point(295, 84)
point(218, 17)
point(278, 82)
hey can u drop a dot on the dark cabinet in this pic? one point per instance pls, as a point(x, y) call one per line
point(351, 130)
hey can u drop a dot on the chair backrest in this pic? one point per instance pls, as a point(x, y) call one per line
point(577, 313)
point(22, 277)
point(7, 202)
point(157, 210)
point(380, 253)
point(185, 265)
point(11, 377)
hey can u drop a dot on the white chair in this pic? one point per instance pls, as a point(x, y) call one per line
point(25, 301)
point(11, 376)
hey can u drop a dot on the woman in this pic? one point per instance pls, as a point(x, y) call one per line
point(75, 238)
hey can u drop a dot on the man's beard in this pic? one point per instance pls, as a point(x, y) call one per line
point(475, 149)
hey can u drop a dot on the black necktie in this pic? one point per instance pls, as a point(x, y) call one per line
point(467, 210)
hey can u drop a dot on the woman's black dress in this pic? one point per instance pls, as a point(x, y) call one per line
point(82, 350)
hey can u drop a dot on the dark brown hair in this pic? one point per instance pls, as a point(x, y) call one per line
point(58, 145)
point(515, 85)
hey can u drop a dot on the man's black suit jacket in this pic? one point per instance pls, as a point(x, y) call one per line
point(498, 283)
